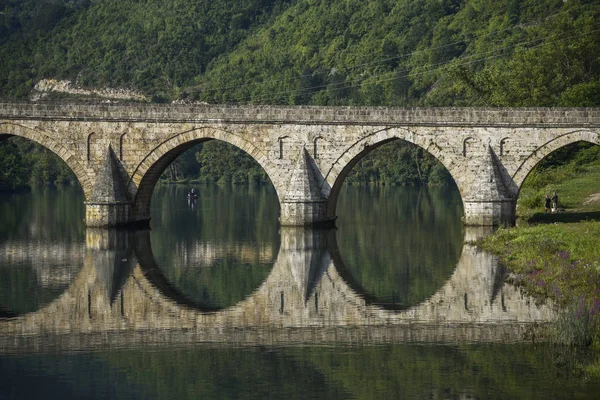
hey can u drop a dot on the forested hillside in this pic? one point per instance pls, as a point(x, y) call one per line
point(388, 52)
point(156, 46)
point(434, 53)
point(336, 52)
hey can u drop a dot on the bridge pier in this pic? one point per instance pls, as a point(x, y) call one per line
point(305, 213)
point(108, 205)
point(305, 202)
point(489, 203)
point(489, 213)
point(107, 215)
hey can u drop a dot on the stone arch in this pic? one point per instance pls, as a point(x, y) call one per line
point(61, 151)
point(342, 166)
point(148, 171)
point(550, 146)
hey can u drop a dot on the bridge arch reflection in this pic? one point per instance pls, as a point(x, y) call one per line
point(315, 294)
point(400, 244)
point(155, 275)
point(42, 247)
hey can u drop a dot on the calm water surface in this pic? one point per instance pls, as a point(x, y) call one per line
point(219, 302)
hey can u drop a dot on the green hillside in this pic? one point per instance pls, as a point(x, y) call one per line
point(150, 45)
point(434, 53)
point(388, 52)
point(337, 52)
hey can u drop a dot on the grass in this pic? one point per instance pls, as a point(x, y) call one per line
point(557, 256)
point(560, 262)
point(557, 261)
point(575, 182)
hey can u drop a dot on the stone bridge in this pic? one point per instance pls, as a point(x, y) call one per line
point(120, 298)
point(118, 151)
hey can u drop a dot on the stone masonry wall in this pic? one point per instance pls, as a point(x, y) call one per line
point(145, 136)
point(535, 116)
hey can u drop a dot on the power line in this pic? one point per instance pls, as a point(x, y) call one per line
point(430, 68)
point(381, 61)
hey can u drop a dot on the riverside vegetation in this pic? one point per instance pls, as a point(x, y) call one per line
point(558, 256)
point(341, 52)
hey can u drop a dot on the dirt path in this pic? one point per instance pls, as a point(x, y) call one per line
point(593, 198)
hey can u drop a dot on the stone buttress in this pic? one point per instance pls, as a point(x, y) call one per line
point(108, 205)
point(304, 203)
point(489, 202)
point(109, 261)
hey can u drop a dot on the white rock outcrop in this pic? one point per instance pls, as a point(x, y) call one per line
point(46, 86)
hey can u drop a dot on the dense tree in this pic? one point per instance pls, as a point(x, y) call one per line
point(13, 172)
point(388, 52)
point(24, 163)
point(340, 52)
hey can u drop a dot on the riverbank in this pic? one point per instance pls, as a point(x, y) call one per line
point(556, 257)
point(558, 263)
point(574, 175)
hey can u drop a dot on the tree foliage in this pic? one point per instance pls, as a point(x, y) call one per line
point(339, 52)
point(382, 52)
point(24, 163)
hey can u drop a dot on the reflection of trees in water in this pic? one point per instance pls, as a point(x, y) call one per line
point(400, 244)
point(220, 251)
point(224, 284)
point(24, 288)
point(35, 272)
point(41, 246)
point(54, 264)
point(361, 372)
point(201, 254)
point(44, 212)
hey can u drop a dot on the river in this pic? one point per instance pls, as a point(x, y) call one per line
point(217, 301)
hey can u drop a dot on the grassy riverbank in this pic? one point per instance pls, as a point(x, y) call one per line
point(574, 173)
point(556, 257)
point(560, 262)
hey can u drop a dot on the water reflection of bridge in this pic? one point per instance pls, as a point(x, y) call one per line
point(203, 253)
point(56, 264)
point(120, 298)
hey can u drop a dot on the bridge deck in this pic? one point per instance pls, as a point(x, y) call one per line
point(136, 112)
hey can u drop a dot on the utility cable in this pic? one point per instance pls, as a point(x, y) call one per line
point(381, 61)
point(430, 68)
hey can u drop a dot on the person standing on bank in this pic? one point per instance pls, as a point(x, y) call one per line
point(547, 204)
point(554, 203)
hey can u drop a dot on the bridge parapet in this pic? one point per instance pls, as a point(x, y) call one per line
point(436, 116)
